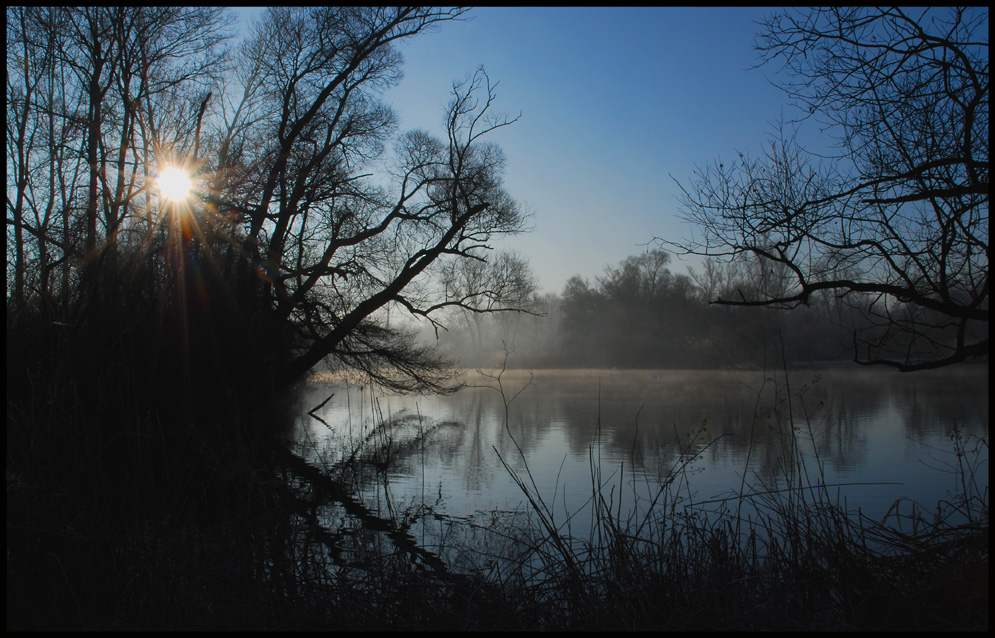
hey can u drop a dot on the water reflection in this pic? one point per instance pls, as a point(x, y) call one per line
point(858, 425)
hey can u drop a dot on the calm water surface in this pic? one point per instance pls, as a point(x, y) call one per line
point(872, 435)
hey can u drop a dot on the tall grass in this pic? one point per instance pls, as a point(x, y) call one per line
point(780, 554)
point(308, 541)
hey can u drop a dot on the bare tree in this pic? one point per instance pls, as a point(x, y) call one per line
point(311, 224)
point(334, 221)
point(26, 63)
point(314, 220)
point(716, 278)
point(474, 288)
point(900, 216)
point(449, 205)
point(86, 87)
point(638, 279)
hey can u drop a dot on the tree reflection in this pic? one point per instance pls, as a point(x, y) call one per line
point(647, 421)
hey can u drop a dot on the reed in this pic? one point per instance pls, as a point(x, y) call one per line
point(110, 527)
point(775, 556)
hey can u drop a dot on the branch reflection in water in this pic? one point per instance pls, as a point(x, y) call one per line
point(871, 436)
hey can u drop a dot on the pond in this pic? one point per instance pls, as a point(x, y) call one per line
point(868, 436)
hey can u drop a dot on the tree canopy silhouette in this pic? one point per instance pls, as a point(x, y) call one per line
point(897, 222)
point(313, 221)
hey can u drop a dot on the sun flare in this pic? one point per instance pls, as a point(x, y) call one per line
point(175, 184)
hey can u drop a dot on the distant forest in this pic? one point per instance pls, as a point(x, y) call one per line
point(640, 314)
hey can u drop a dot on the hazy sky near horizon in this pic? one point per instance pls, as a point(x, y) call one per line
point(616, 103)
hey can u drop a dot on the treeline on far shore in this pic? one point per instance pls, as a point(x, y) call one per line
point(640, 314)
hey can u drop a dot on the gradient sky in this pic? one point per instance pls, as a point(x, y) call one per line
point(615, 104)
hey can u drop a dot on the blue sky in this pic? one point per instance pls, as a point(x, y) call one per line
point(615, 104)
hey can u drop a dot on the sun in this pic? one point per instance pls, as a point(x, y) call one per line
point(175, 184)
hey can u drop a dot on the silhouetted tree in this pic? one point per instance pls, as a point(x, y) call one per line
point(901, 215)
point(475, 288)
point(312, 226)
point(314, 220)
point(638, 314)
point(582, 328)
point(325, 244)
point(80, 85)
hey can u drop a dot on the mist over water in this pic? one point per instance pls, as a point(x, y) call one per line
point(877, 435)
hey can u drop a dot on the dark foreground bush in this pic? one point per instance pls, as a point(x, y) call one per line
point(298, 554)
point(125, 514)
